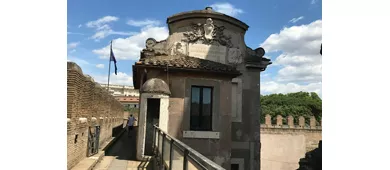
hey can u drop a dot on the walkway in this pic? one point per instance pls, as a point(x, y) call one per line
point(121, 155)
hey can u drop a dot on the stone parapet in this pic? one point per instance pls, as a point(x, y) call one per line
point(289, 123)
point(88, 105)
point(285, 141)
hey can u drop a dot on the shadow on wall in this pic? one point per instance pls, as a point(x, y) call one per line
point(312, 160)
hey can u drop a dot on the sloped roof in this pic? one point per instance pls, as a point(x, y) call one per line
point(187, 63)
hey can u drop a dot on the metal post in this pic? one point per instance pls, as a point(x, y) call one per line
point(185, 160)
point(97, 137)
point(154, 139)
point(109, 68)
point(170, 154)
point(158, 141)
point(162, 149)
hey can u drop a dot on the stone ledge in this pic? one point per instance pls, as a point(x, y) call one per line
point(201, 134)
point(90, 162)
point(288, 130)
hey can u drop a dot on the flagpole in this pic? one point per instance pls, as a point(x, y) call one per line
point(109, 68)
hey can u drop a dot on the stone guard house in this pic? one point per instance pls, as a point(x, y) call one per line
point(202, 86)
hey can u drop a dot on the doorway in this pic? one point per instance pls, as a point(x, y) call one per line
point(152, 118)
point(234, 166)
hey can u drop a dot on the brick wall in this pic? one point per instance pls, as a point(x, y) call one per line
point(88, 105)
point(284, 144)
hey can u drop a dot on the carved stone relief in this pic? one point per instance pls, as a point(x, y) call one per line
point(207, 34)
point(234, 56)
point(208, 29)
point(254, 55)
point(152, 48)
point(178, 48)
point(150, 43)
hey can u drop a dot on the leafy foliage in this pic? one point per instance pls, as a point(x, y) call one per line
point(295, 104)
point(131, 110)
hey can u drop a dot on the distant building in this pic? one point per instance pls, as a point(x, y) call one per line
point(128, 101)
point(121, 90)
point(127, 95)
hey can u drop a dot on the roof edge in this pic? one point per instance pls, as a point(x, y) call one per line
point(230, 73)
point(207, 13)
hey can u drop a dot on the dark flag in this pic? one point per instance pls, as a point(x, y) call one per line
point(112, 58)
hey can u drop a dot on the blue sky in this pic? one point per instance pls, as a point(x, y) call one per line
point(289, 31)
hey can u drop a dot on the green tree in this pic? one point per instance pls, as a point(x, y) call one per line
point(295, 104)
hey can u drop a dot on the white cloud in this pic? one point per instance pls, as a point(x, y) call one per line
point(304, 73)
point(100, 34)
point(72, 51)
point(99, 65)
point(275, 87)
point(101, 21)
point(120, 79)
point(227, 9)
point(129, 48)
point(141, 23)
point(73, 45)
point(296, 60)
point(78, 61)
point(313, 2)
point(300, 47)
point(294, 20)
point(80, 26)
point(296, 39)
point(103, 29)
point(75, 33)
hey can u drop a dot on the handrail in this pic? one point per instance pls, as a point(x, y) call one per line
point(188, 152)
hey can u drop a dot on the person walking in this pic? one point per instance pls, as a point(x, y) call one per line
point(130, 124)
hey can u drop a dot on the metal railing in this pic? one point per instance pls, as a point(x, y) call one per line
point(175, 155)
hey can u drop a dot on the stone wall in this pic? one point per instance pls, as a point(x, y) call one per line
point(88, 105)
point(284, 144)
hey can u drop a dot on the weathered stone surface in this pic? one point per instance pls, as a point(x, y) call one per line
point(87, 105)
point(312, 159)
point(284, 145)
point(209, 52)
point(207, 48)
point(155, 85)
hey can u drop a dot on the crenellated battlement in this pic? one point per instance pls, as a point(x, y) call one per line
point(289, 123)
point(88, 105)
point(285, 140)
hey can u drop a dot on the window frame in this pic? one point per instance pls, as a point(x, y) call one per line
point(200, 119)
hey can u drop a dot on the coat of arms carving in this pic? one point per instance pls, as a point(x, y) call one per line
point(207, 33)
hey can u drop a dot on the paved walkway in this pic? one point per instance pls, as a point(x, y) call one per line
point(121, 155)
